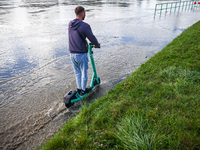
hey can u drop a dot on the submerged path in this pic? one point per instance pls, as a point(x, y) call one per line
point(31, 100)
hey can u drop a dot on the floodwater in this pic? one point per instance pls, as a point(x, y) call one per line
point(35, 68)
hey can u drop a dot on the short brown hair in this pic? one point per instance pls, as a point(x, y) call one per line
point(79, 10)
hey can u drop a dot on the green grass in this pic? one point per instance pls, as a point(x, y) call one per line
point(157, 107)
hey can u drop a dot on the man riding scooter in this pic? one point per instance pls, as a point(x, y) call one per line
point(78, 47)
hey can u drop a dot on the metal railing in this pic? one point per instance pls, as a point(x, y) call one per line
point(176, 6)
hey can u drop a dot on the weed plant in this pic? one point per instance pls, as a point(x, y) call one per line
point(157, 107)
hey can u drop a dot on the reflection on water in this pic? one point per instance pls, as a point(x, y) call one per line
point(35, 68)
point(29, 39)
point(34, 32)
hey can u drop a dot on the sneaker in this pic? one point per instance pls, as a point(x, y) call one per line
point(79, 91)
point(87, 90)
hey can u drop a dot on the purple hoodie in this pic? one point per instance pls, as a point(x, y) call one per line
point(76, 43)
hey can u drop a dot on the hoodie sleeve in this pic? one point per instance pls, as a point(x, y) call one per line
point(90, 36)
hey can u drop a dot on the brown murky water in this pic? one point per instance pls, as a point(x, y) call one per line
point(35, 68)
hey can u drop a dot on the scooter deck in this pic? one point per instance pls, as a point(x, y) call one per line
point(79, 97)
point(72, 96)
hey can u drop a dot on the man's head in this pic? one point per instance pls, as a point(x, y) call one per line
point(80, 12)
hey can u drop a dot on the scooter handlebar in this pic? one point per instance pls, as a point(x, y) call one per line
point(94, 46)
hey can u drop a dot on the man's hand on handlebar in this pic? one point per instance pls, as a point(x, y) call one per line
point(95, 45)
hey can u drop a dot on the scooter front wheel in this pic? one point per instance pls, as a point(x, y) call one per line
point(95, 82)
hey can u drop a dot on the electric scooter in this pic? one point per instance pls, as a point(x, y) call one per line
point(73, 96)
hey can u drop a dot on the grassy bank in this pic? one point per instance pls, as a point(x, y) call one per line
point(157, 107)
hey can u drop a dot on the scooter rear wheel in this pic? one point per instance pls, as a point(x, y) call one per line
point(69, 105)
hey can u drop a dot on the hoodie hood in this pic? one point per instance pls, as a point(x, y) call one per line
point(74, 24)
point(77, 42)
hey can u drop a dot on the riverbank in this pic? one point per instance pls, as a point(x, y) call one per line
point(157, 107)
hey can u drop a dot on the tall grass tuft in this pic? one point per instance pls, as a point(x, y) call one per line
point(134, 134)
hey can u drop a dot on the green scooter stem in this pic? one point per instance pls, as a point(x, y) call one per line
point(94, 76)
